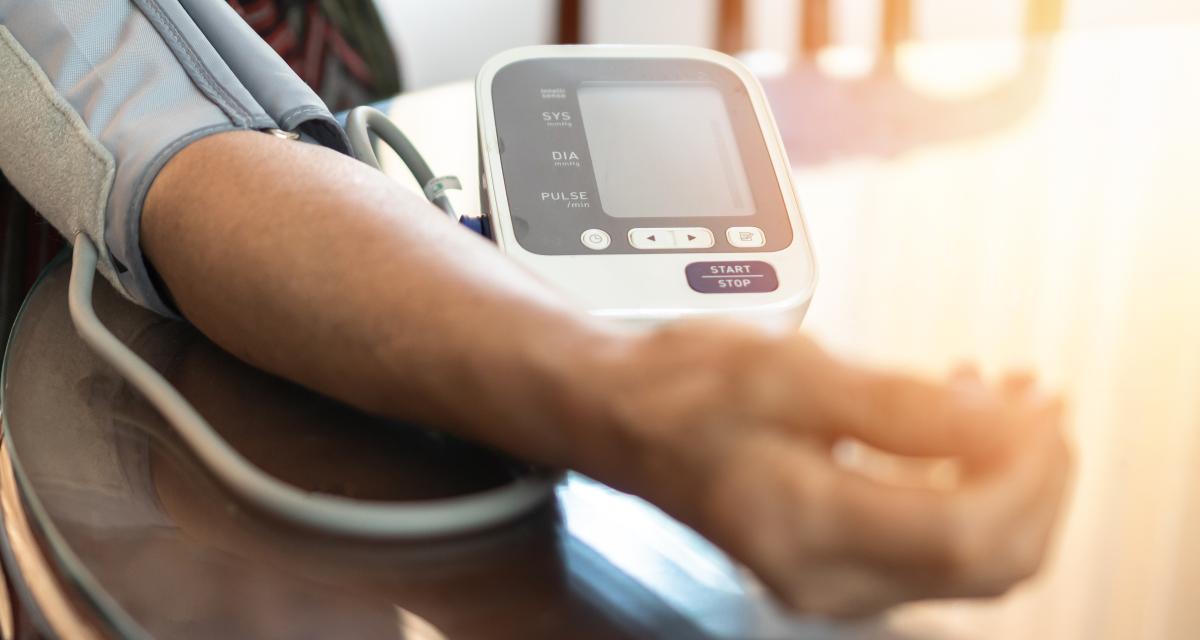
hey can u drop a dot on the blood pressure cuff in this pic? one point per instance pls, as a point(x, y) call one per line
point(97, 96)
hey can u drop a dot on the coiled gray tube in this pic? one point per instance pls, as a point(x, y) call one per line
point(364, 121)
point(331, 514)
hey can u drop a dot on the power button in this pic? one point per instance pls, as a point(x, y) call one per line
point(596, 239)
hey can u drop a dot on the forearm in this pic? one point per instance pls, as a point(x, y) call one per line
point(307, 264)
point(304, 263)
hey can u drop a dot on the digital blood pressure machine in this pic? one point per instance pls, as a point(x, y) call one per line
point(648, 183)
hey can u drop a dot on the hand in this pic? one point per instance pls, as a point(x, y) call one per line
point(732, 431)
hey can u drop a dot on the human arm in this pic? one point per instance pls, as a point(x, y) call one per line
point(305, 263)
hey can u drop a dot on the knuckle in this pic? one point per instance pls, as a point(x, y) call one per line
point(811, 488)
point(1066, 453)
point(815, 521)
point(800, 600)
point(732, 360)
point(964, 556)
point(992, 570)
point(1026, 557)
point(967, 548)
point(1027, 567)
point(883, 393)
point(994, 589)
point(813, 600)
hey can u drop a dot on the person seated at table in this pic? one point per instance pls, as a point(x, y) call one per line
point(142, 124)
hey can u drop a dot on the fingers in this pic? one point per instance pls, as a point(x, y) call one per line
point(1015, 530)
point(881, 545)
point(1017, 384)
point(963, 417)
point(834, 541)
point(845, 590)
point(978, 541)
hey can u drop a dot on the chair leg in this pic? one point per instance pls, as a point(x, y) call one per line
point(816, 27)
point(731, 26)
point(1044, 17)
point(897, 23)
point(570, 21)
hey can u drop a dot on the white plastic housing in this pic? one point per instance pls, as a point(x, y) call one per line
point(652, 288)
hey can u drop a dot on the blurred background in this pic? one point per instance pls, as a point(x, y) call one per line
point(449, 40)
point(1009, 182)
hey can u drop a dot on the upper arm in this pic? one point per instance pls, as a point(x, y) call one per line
point(100, 95)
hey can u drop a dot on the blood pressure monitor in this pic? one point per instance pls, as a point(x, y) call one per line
point(649, 183)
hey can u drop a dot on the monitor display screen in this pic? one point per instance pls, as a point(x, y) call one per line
point(664, 150)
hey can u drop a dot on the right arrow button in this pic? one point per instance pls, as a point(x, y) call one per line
point(694, 238)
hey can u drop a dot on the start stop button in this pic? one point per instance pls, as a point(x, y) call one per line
point(743, 276)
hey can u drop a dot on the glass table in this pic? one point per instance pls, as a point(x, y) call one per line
point(112, 528)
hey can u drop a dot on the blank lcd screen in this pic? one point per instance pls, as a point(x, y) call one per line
point(664, 150)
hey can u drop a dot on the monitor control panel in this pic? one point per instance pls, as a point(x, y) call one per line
point(632, 160)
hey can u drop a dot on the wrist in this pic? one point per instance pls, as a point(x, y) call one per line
point(590, 378)
point(542, 391)
point(648, 408)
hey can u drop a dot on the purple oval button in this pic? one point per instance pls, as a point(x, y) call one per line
point(743, 276)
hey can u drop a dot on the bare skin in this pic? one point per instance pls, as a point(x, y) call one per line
point(309, 265)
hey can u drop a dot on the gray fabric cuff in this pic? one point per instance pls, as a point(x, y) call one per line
point(146, 78)
point(288, 100)
point(48, 153)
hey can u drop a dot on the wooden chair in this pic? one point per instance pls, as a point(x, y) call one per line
point(570, 21)
point(1042, 16)
point(823, 118)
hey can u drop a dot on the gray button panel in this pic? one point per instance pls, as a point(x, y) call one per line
point(741, 276)
point(550, 178)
